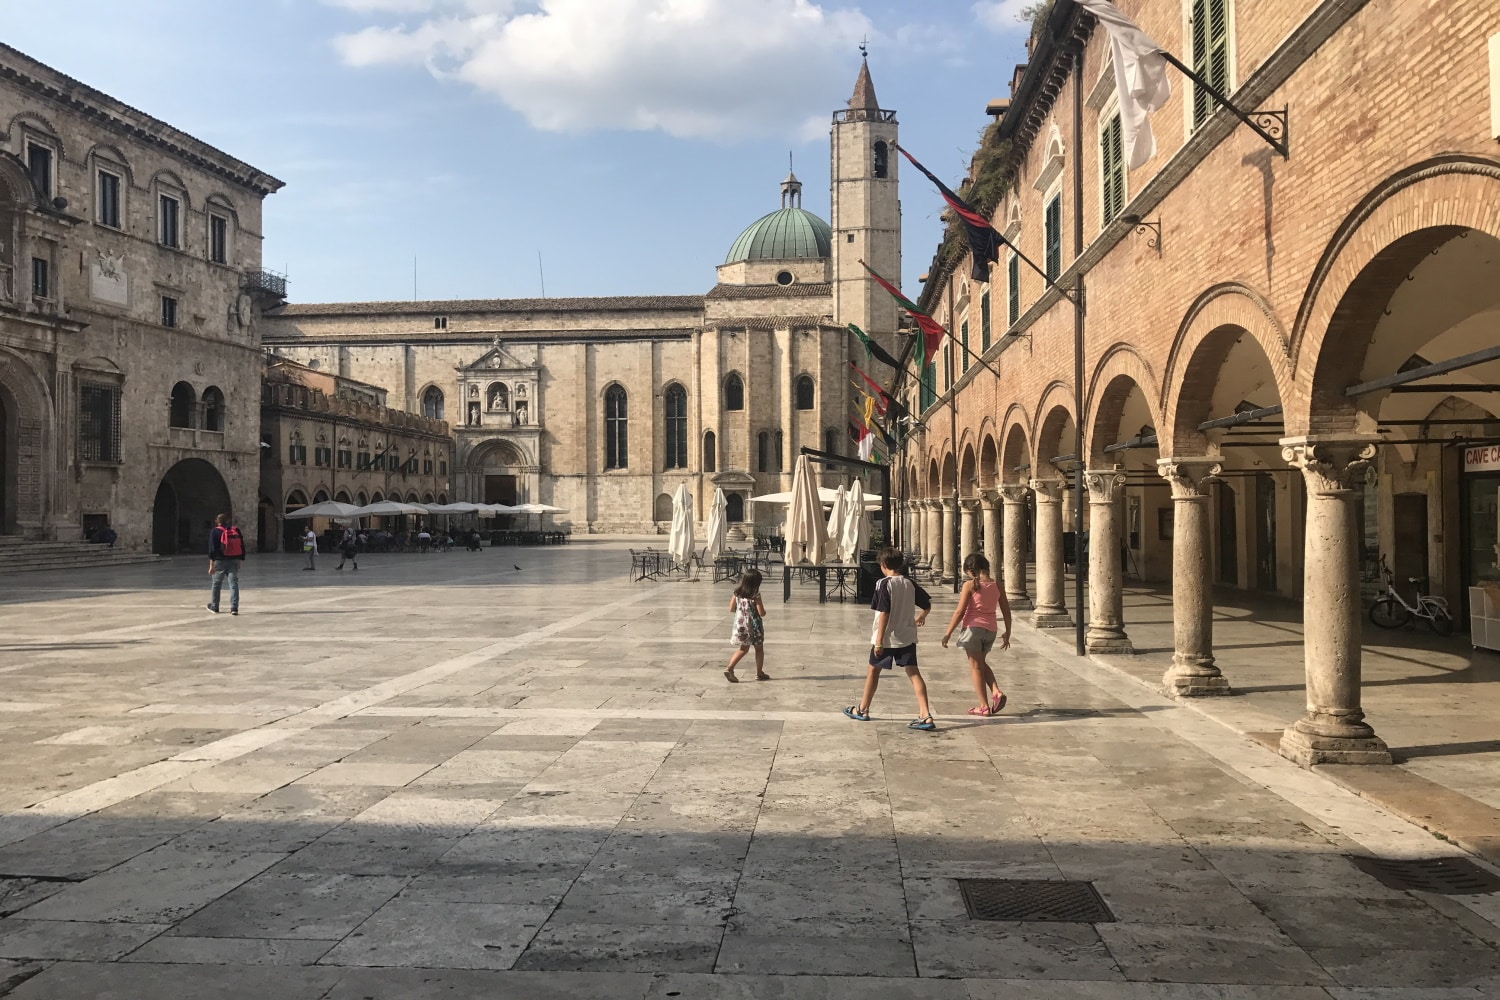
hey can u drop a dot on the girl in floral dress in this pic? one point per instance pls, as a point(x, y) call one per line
point(749, 630)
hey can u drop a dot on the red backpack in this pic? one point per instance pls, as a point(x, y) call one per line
point(232, 544)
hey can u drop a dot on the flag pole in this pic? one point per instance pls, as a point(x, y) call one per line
point(1278, 117)
point(1080, 569)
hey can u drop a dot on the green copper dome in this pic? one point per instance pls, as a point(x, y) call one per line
point(784, 234)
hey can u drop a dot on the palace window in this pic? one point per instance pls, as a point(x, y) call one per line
point(1111, 170)
point(213, 409)
point(41, 277)
point(1210, 34)
point(984, 321)
point(1052, 231)
point(346, 457)
point(1012, 290)
point(168, 311)
point(616, 428)
point(964, 334)
point(109, 199)
point(804, 392)
point(432, 403)
point(39, 160)
point(676, 441)
point(98, 422)
point(169, 221)
point(710, 452)
point(322, 456)
point(184, 402)
point(734, 393)
point(929, 385)
point(218, 238)
point(947, 364)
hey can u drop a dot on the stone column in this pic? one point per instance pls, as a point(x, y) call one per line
point(943, 519)
point(1016, 535)
point(930, 530)
point(1051, 611)
point(992, 534)
point(1333, 730)
point(968, 532)
point(1193, 672)
point(1106, 631)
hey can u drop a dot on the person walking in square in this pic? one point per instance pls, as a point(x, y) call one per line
point(310, 548)
point(226, 552)
point(974, 618)
point(900, 607)
point(348, 549)
point(749, 626)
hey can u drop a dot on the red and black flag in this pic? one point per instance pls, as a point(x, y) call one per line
point(984, 242)
point(873, 349)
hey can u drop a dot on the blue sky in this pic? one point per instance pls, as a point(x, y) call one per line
point(626, 142)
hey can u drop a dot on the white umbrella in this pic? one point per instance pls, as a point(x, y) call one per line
point(328, 508)
point(835, 527)
point(536, 508)
point(451, 508)
point(825, 496)
point(680, 542)
point(805, 532)
point(493, 509)
point(718, 526)
point(855, 535)
point(386, 508)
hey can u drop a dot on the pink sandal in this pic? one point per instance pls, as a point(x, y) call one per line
point(979, 710)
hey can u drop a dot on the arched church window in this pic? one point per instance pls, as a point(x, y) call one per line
point(763, 452)
point(831, 441)
point(734, 393)
point(804, 392)
point(498, 396)
point(213, 409)
point(780, 455)
point(184, 401)
point(882, 158)
point(676, 440)
point(710, 452)
point(432, 403)
point(615, 428)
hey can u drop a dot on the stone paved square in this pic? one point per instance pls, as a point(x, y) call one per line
point(446, 778)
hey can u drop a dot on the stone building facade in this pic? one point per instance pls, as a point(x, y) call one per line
point(603, 406)
point(130, 294)
point(1285, 351)
point(325, 437)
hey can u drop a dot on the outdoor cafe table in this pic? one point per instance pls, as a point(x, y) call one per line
point(844, 577)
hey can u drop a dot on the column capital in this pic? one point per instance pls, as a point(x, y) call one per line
point(1047, 490)
point(1104, 485)
point(1189, 477)
point(969, 504)
point(1332, 463)
point(989, 496)
point(1013, 492)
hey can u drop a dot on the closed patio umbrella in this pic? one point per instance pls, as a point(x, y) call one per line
point(856, 531)
point(680, 542)
point(718, 526)
point(805, 531)
point(835, 527)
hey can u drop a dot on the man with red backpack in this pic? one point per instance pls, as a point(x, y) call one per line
point(226, 550)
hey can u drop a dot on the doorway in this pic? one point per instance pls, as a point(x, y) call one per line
point(189, 496)
point(500, 489)
point(1229, 535)
point(1265, 531)
point(1409, 513)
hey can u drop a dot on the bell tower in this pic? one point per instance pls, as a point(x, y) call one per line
point(865, 209)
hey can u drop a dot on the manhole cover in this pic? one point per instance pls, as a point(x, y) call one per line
point(1449, 876)
point(1031, 899)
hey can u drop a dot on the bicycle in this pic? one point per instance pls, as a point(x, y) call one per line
point(1392, 611)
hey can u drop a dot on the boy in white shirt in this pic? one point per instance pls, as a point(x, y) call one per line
point(900, 608)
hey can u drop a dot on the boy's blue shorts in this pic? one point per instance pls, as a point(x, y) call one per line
point(900, 656)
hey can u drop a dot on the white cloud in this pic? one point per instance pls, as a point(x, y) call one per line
point(1002, 15)
point(701, 68)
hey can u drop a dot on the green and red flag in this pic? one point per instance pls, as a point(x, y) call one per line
point(932, 330)
point(984, 242)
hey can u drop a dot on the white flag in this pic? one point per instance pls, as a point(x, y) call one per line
point(866, 447)
point(1140, 78)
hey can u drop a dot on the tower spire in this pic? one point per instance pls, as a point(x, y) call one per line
point(864, 87)
point(791, 188)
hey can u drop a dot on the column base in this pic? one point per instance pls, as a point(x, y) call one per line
point(1051, 618)
point(1308, 749)
point(1018, 602)
point(1110, 643)
point(1180, 684)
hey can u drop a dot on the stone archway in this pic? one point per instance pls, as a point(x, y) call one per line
point(24, 447)
point(189, 496)
point(498, 472)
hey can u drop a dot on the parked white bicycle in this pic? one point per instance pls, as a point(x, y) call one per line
point(1392, 611)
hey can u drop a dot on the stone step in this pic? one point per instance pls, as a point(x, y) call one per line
point(67, 555)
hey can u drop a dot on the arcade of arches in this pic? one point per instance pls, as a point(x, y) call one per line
point(1285, 448)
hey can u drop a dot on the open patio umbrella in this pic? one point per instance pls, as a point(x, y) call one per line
point(835, 526)
point(451, 508)
point(825, 496)
point(538, 509)
point(680, 542)
point(805, 532)
point(386, 508)
point(494, 509)
point(328, 508)
point(718, 526)
point(855, 534)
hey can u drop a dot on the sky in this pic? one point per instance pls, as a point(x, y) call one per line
point(444, 149)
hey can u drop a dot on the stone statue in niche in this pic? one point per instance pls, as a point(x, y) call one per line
point(519, 416)
point(474, 414)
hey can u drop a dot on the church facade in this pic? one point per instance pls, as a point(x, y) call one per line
point(603, 406)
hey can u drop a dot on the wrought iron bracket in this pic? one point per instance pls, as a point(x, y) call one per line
point(1272, 126)
point(1142, 227)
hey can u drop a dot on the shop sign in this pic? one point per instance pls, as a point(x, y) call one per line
point(1482, 458)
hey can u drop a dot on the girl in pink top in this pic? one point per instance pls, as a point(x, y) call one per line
point(975, 619)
